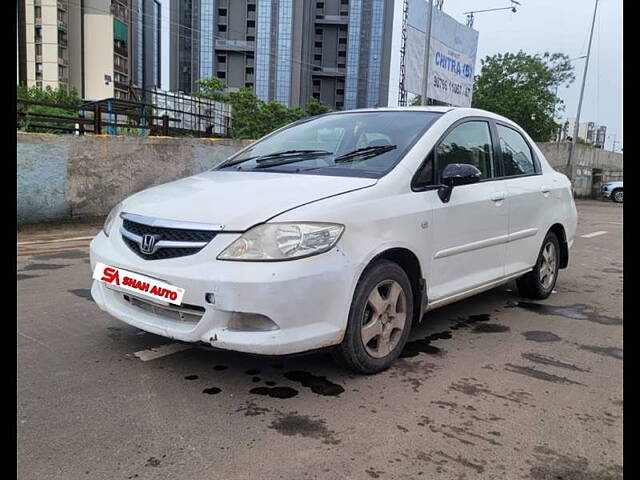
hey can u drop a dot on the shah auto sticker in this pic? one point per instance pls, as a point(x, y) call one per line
point(139, 284)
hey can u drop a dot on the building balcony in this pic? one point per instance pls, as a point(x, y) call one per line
point(319, 71)
point(121, 69)
point(234, 45)
point(122, 51)
point(331, 20)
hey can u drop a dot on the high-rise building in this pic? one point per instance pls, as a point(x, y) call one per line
point(146, 27)
point(49, 37)
point(97, 47)
point(590, 132)
point(285, 50)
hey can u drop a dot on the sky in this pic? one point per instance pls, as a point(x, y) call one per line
point(560, 26)
point(538, 26)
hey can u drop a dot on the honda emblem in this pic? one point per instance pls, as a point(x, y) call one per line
point(148, 244)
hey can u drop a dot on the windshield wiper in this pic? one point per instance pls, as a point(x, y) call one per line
point(364, 153)
point(289, 156)
point(269, 156)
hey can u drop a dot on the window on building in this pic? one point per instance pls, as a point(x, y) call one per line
point(316, 83)
point(222, 59)
point(251, 8)
point(222, 12)
point(248, 85)
point(37, 12)
point(320, 5)
point(38, 49)
point(222, 28)
point(317, 57)
point(251, 38)
point(251, 23)
point(342, 41)
point(318, 31)
point(221, 74)
point(318, 44)
point(249, 70)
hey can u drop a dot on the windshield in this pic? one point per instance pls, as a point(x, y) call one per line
point(365, 144)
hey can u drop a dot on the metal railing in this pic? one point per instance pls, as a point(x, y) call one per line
point(150, 112)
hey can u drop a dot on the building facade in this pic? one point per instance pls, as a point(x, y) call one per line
point(49, 36)
point(285, 50)
point(92, 46)
point(146, 27)
point(590, 132)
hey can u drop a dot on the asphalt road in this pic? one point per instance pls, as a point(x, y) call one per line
point(499, 389)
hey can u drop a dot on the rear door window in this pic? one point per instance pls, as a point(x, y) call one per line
point(516, 154)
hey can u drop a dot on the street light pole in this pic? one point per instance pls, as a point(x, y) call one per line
point(584, 78)
point(427, 46)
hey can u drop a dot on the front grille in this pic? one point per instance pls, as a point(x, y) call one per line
point(165, 234)
point(183, 313)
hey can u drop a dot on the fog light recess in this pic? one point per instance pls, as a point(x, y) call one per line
point(251, 322)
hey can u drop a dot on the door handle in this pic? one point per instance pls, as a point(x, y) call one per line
point(546, 190)
point(497, 196)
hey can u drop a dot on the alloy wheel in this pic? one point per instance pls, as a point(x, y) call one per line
point(384, 319)
point(548, 265)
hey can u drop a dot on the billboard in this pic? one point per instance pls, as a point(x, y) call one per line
point(452, 56)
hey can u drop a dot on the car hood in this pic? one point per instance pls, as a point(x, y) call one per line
point(237, 200)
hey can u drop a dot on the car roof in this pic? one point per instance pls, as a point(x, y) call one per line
point(462, 111)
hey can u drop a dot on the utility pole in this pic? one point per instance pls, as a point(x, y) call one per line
point(584, 79)
point(427, 46)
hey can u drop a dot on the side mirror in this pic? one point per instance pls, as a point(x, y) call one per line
point(456, 174)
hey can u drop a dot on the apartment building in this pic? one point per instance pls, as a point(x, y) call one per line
point(590, 132)
point(97, 47)
point(146, 28)
point(48, 41)
point(285, 50)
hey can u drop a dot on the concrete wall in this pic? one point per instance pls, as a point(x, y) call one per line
point(591, 166)
point(62, 177)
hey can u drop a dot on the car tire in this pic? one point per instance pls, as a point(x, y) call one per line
point(536, 284)
point(381, 311)
point(616, 195)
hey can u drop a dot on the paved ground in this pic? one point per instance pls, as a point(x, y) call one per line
point(499, 389)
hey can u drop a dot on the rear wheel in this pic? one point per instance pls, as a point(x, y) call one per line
point(539, 282)
point(616, 195)
point(379, 319)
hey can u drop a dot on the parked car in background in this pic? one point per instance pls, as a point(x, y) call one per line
point(338, 231)
point(612, 190)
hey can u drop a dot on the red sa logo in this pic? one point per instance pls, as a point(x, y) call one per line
point(110, 275)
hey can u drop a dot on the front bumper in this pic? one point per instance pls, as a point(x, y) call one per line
point(308, 299)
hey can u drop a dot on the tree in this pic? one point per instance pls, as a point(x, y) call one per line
point(252, 117)
point(63, 103)
point(523, 88)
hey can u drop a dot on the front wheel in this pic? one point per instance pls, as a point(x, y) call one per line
point(616, 195)
point(539, 282)
point(379, 319)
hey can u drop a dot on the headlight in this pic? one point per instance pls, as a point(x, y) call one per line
point(283, 241)
point(113, 214)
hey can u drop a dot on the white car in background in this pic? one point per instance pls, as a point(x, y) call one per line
point(338, 231)
point(612, 190)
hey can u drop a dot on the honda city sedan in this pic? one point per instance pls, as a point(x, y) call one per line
point(339, 231)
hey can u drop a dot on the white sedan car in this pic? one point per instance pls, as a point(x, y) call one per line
point(338, 231)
